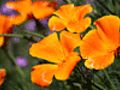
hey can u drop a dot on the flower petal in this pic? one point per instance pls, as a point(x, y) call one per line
point(69, 40)
point(17, 19)
point(100, 62)
point(65, 11)
point(1, 41)
point(55, 23)
point(5, 27)
point(83, 10)
point(42, 9)
point(5, 24)
point(73, 17)
point(2, 76)
point(42, 75)
point(92, 45)
point(22, 6)
point(108, 28)
point(49, 49)
point(65, 68)
point(79, 26)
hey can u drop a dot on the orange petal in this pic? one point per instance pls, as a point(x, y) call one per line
point(18, 19)
point(42, 75)
point(65, 68)
point(5, 24)
point(2, 24)
point(5, 27)
point(92, 45)
point(108, 28)
point(23, 11)
point(73, 17)
point(82, 11)
point(22, 6)
point(55, 23)
point(2, 76)
point(65, 11)
point(79, 26)
point(119, 39)
point(69, 40)
point(49, 49)
point(69, 11)
point(1, 41)
point(41, 9)
point(100, 62)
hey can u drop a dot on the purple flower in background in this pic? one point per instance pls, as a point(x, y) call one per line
point(44, 22)
point(30, 25)
point(7, 11)
point(21, 61)
point(15, 39)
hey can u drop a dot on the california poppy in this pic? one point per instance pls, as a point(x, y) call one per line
point(2, 76)
point(71, 17)
point(99, 46)
point(25, 8)
point(61, 55)
point(5, 27)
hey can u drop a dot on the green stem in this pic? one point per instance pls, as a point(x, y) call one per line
point(98, 86)
point(20, 36)
point(34, 34)
point(105, 7)
point(107, 76)
point(13, 60)
point(69, 1)
point(115, 72)
point(12, 35)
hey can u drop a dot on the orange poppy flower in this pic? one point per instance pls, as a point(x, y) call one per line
point(71, 17)
point(2, 76)
point(25, 8)
point(99, 46)
point(61, 55)
point(5, 27)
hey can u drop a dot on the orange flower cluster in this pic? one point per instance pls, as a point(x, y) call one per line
point(25, 8)
point(60, 52)
point(2, 76)
point(98, 46)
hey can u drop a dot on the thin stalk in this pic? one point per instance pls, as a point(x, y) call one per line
point(115, 72)
point(98, 76)
point(107, 76)
point(34, 34)
point(13, 60)
point(12, 35)
point(69, 1)
point(22, 36)
point(98, 86)
point(105, 7)
point(19, 36)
